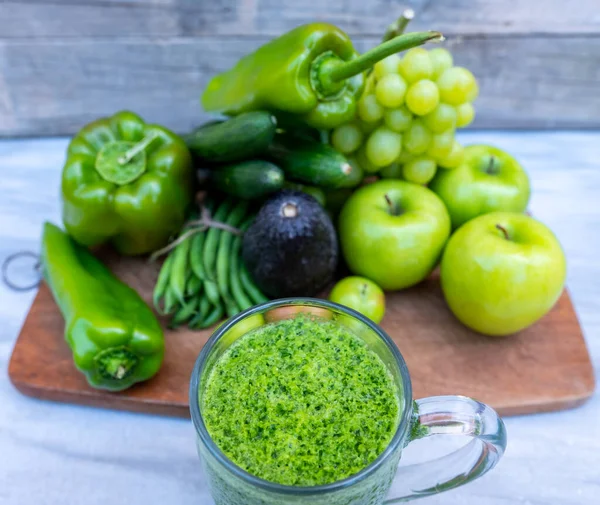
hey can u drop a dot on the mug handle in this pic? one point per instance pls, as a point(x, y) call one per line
point(450, 415)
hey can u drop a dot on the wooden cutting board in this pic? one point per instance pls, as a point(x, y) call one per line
point(546, 367)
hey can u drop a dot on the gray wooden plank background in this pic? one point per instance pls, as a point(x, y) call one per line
point(63, 62)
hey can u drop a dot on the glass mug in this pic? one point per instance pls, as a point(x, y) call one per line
point(381, 482)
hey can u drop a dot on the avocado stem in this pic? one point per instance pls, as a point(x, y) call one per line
point(289, 210)
point(503, 230)
point(394, 210)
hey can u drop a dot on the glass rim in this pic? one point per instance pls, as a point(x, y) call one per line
point(221, 457)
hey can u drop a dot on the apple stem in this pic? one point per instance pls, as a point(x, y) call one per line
point(394, 211)
point(491, 168)
point(503, 230)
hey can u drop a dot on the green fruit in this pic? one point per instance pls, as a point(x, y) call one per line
point(419, 170)
point(383, 147)
point(457, 85)
point(502, 272)
point(422, 97)
point(362, 295)
point(487, 180)
point(390, 90)
point(347, 138)
point(416, 65)
point(393, 232)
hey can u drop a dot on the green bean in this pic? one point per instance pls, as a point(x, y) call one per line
point(223, 257)
point(236, 284)
point(250, 288)
point(196, 250)
point(197, 247)
point(180, 269)
point(203, 310)
point(185, 312)
point(193, 285)
point(161, 283)
point(209, 255)
point(170, 301)
point(215, 315)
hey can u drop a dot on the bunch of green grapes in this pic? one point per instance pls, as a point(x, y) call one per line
point(408, 115)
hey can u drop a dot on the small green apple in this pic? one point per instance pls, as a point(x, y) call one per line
point(488, 180)
point(502, 272)
point(360, 294)
point(393, 232)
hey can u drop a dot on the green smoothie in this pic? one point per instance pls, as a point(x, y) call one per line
point(301, 402)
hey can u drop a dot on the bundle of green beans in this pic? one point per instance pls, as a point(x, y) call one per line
point(203, 277)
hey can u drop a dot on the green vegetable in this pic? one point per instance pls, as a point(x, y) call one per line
point(126, 182)
point(301, 402)
point(247, 179)
point(317, 193)
point(200, 317)
point(170, 301)
point(251, 288)
point(312, 72)
point(240, 138)
point(179, 269)
point(196, 255)
point(162, 283)
point(185, 312)
point(193, 285)
point(224, 257)
point(114, 336)
point(237, 290)
point(214, 316)
point(311, 162)
point(210, 252)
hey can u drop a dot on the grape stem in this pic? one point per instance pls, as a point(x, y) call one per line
point(503, 230)
point(366, 60)
point(397, 27)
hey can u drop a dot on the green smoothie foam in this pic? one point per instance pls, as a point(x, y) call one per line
point(301, 402)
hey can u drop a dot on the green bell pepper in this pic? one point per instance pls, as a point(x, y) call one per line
point(126, 182)
point(115, 338)
point(312, 72)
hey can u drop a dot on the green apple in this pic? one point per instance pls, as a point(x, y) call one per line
point(488, 180)
point(360, 294)
point(393, 232)
point(502, 272)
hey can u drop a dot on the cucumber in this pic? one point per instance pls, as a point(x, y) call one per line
point(246, 179)
point(317, 193)
point(239, 138)
point(308, 161)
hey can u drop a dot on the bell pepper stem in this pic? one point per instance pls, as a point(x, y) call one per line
point(367, 60)
point(397, 27)
point(137, 148)
point(116, 363)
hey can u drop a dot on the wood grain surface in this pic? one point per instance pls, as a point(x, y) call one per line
point(545, 367)
point(64, 63)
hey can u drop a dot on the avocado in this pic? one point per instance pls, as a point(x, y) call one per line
point(291, 249)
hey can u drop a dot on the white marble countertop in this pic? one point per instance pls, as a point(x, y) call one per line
point(55, 454)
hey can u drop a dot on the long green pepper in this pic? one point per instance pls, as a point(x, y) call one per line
point(312, 74)
point(115, 338)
